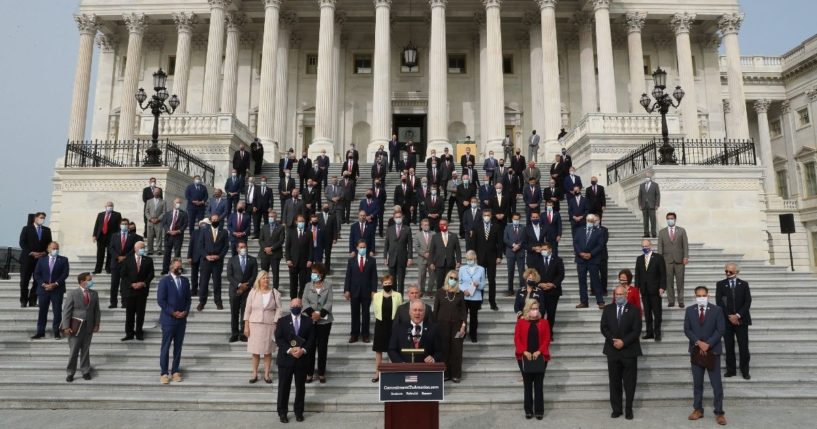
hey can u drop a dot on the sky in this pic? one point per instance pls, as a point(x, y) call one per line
point(38, 48)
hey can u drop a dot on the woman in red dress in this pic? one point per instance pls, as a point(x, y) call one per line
point(532, 341)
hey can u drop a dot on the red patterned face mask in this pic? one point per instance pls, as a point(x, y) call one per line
point(443, 228)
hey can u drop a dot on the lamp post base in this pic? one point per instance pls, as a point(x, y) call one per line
point(153, 158)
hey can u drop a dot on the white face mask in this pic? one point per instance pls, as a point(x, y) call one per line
point(701, 300)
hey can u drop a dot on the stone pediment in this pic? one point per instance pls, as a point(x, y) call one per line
point(806, 152)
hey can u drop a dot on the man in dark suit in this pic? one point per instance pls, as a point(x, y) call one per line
point(500, 205)
point(432, 160)
point(621, 327)
point(174, 300)
point(303, 169)
point(49, 276)
point(511, 188)
point(486, 241)
point(467, 157)
point(214, 243)
point(485, 192)
point(518, 164)
point(358, 287)
point(34, 240)
point(732, 295)
point(552, 222)
point(353, 153)
point(379, 196)
point(532, 196)
point(241, 161)
point(379, 170)
point(298, 254)
point(553, 194)
point(311, 196)
point(513, 238)
point(588, 246)
point(232, 187)
point(292, 208)
point(285, 187)
point(348, 186)
point(489, 166)
point(394, 152)
point(286, 163)
point(174, 223)
point(577, 209)
point(558, 172)
point(120, 247)
point(572, 180)
point(105, 226)
point(704, 326)
point(551, 271)
point(651, 280)
point(596, 198)
point(260, 206)
point(316, 239)
point(271, 247)
point(434, 208)
point(447, 168)
point(415, 334)
point(218, 205)
point(195, 253)
point(444, 253)
point(535, 235)
point(351, 165)
point(399, 250)
point(421, 192)
point(403, 197)
point(196, 196)
point(257, 154)
point(294, 335)
point(464, 192)
point(361, 230)
point(403, 314)
point(471, 172)
point(137, 273)
point(241, 273)
point(323, 166)
point(329, 225)
point(147, 195)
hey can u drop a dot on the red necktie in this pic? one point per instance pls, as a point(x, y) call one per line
point(105, 224)
point(122, 241)
point(701, 317)
point(85, 297)
point(173, 222)
point(350, 167)
point(550, 217)
point(361, 264)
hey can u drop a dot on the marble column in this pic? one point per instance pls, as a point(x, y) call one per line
point(323, 91)
point(811, 93)
point(604, 54)
point(438, 81)
point(484, 98)
point(634, 21)
point(729, 24)
point(587, 63)
point(184, 26)
point(279, 128)
point(680, 24)
point(790, 143)
point(269, 60)
point(338, 44)
point(381, 90)
point(136, 24)
point(215, 51)
point(234, 22)
point(765, 143)
point(550, 80)
point(88, 25)
point(494, 79)
point(536, 87)
point(103, 94)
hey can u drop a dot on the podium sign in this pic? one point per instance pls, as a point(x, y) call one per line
point(411, 386)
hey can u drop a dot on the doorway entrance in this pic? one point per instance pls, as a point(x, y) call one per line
point(411, 127)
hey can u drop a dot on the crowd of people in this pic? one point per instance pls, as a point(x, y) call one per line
point(308, 229)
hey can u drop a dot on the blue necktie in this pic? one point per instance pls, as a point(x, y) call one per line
point(39, 233)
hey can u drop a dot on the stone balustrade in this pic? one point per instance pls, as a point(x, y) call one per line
point(191, 124)
point(630, 124)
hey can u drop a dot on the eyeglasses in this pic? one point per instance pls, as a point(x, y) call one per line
point(729, 273)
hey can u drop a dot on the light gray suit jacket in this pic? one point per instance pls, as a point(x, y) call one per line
point(534, 140)
point(399, 249)
point(649, 199)
point(526, 174)
point(421, 247)
point(153, 210)
point(331, 192)
point(74, 306)
point(673, 251)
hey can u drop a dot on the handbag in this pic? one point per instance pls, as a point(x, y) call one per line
point(535, 366)
point(703, 360)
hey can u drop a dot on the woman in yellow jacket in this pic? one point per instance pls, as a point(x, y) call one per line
point(385, 304)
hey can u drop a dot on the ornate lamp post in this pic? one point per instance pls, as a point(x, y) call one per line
point(410, 51)
point(157, 106)
point(663, 101)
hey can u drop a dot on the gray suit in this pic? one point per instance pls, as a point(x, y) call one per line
point(292, 209)
point(528, 172)
point(330, 192)
point(674, 253)
point(79, 344)
point(711, 333)
point(154, 209)
point(444, 256)
point(648, 201)
point(398, 250)
point(533, 148)
point(421, 247)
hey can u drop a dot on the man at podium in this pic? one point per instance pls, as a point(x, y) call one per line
point(415, 340)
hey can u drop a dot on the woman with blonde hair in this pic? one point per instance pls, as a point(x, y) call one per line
point(529, 291)
point(261, 313)
point(450, 316)
point(385, 303)
point(531, 339)
point(472, 282)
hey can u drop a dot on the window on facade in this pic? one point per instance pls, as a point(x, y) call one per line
point(782, 184)
point(507, 64)
point(456, 63)
point(171, 65)
point(647, 66)
point(363, 64)
point(311, 64)
point(775, 128)
point(803, 118)
point(811, 179)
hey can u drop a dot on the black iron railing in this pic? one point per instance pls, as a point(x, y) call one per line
point(687, 152)
point(10, 261)
point(131, 153)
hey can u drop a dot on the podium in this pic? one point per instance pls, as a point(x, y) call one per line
point(459, 149)
point(411, 393)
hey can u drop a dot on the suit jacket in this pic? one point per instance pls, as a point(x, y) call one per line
point(233, 186)
point(532, 197)
point(194, 248)
point(554, 273)
point(262, 199)
point(577, 209)
point(435, 180)
point(285, 333)
point(217, 247)
point(298, 250)
point(403, 198)
point(195, 193)
point(552, 194)
point(533, 140)
point(181, 221)
point(501, 208)
point(531, 240)
point(510, 186)
point(673, 251)
point(285, 187)
point(558, 171)
point(403, 315)
point(465, 193)
point(367, 234)
point(355, 169)
point(116, 249)
point(597, 200)
point(469, 218)
point(490, 249)
point(272, 235)
point(518, 164)
point(241, 161)
point(348, 187)
point(361, 285)
point(379, 195)
point(734, 302)
point(710, 332)
point(627, 329)
point(437, 206)
point(219, 206)
point(431, 159)
point(155, 209)
point(650, 279)
point(401, 338)
point(355, 154)
point(147, 193)
point(74, 306)
point(292, 208)
point(379, 173)
point(57, 275)
point(333, 191)
point(421, 246)
point(313, 198)
point(285, 163)
point(113, 224)
point(234, 226)
point(172, 299)
point(442, 255)
point(317, 245)
point(145, 274)
point(509, 238)
point(399, 249)
point(29, 242)
point(552, 229)
point(465, 159)
point(485, 193)
point(236, 276)
point(594, 245)
point(570, 183)
point(472, 173)
point(528, 172)
point(329, 224)
point(394, 146)
point(303, 167)
point(489, 166)
point(649, 199)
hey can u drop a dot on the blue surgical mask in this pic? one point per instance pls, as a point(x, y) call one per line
point(670, 222)
point(301, 225)
point(515, 222)
point(550, 209)
point(361, 252)
point(123, 228)
point(90, 284)
point(316, 277)
point(545, 253)
point(471, 262)
point(646, 250)
point(143, 252)
point(621, 300)
point(534, 221)
point(296, 311)
point(452, 282)
point(108, 209)
point(590, 225)
point(55, 252)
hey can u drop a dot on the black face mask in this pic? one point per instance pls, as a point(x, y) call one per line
point(215, 224)
point(241, 210)
point(531, 283)
point(594, 182)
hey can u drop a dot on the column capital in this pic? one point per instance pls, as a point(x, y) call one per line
point(340, 17)
point(220, 4)
point(106, 42)
point(785, 107)
point(382, 3)
point(491, 3)
point(531, 18)
point(272, 3)
point(289, 18)
point(601, 4)
point(634, 21)
point(681, 22)
point(543, 4)
point(714, 43)
point(87, 23)
point(762, 106)
point(136, 22)
point(235, 20)
point(185, 21)
point(437, 3)
point(582, 21)
point(730, 23)
point(811, 93)
point(327, 3)
point(727, 106)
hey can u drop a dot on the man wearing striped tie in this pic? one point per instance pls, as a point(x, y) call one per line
point(621, 326)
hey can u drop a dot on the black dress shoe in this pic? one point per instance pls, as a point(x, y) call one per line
point(658, 338)
point(112, 306)
point(308, 380)
point(352, 339)
point(57, 335)
point(97, 272)
point(140, 337)
point(366, 339)
point(219, 306)
point(746, 376)
point(243, 338)
point(37, 336)
point(299, 417)
point(126, 338)
point(495, 308)
point(540, 416)
point(647, 336)
point(86, 376)
point(70, 378)
point(234, 338)
point(628, 414)
point(528, 416)
point(23, 304)
point(615, 414)
point(284, 419)
point(728, 374)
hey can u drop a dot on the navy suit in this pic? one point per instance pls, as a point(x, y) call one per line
point(194, 255)
point(360, 285)
point(44, 274)
point(195, 193)
point(402, 338)
point(570, 183)
point(31, 241)
point(221, 207)
point(233, 227)
point(594, 245)
point(553, 229)
point(735, 300)
point(516, 259)
point(233, 186)
point(367, 234)
point(486, 191)
point(372, 208)
point(288, 366)
point(532, 197)
point(211, 247)
point(116, 250)
point(575, 208)
point(172, 298)
point(709, 332)
point(317, 245)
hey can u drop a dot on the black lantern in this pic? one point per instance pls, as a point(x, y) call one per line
point(410, 55)
point(157, 106)
point(663, 102)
